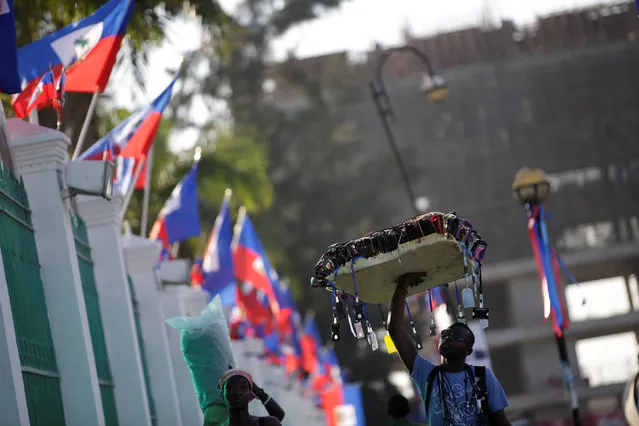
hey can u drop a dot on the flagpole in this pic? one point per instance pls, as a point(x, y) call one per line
point(129, 194)
point(33, 117)
point(175, 248)
point(85, 126)
point(147, 194)
point(241, 215)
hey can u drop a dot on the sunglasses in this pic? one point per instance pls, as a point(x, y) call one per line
point(449, 334)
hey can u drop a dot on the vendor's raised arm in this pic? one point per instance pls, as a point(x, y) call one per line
point(403, 342)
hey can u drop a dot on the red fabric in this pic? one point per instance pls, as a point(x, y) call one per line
point(46, 99)
point(89, 75)
point(534, 241)
point(244, 260)
point(255, 311)
point(197, 278)
point(141, 182)
point(320, 382)
point(291, 363)
point(92, 73)
point(309, 353)
point(331, 399)
point(158, 232)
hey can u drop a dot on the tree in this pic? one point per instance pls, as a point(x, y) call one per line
point(227, 162)
point(36, 18)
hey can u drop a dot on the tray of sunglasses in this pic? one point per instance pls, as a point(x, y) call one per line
point(433, 243)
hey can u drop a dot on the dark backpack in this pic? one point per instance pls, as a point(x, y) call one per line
point(478, 377)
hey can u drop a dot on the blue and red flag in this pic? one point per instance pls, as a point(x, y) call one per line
point(179, 219)
point(87, 49)
point(285, 324)
point(9, 75)
point(311, 343)
point(217, 262)
point(256, 294)
point(124, 172)
point(133, 137)
point(291, 344)
point(353, 405)
point(44, 95)
point(548, 267)
point(273, 353)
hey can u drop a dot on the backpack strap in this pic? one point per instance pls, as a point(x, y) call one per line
point(430, 380)
point(480, 378)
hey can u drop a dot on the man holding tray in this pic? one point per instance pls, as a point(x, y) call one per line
point(454, 393)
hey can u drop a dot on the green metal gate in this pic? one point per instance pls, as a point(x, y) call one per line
point(92, 302)
point(145, 367)
point(28, 305)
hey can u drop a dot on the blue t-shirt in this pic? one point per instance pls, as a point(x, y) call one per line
point(459, 401)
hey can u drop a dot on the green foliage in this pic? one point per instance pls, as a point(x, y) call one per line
point(37, 18)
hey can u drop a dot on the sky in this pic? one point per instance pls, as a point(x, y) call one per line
point(355, 26)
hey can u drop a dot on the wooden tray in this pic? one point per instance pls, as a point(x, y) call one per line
point(376, 278)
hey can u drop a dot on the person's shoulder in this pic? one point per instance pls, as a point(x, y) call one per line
point(424, 362)
point(421, 368)
point(270, 421)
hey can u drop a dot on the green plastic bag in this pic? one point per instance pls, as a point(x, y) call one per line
point(206, 347)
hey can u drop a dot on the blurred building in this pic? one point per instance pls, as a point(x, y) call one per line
point(563, 95)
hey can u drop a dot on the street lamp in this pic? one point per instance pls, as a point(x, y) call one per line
point(532, 188)
point(434, 88)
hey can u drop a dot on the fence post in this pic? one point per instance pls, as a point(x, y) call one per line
point(104, 228)
point(141, 256)
point(173, 306)
point(40, 157)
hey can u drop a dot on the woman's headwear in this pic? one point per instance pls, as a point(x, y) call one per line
point(232, 373)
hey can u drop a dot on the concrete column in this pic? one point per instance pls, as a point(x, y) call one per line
point(13, 402)
point(103, 225)
point(141, 257)
point(41, 157)
point(171, 300)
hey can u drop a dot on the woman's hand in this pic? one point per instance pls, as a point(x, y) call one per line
point(258, 391)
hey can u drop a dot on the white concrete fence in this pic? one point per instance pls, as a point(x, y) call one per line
point(149, 381)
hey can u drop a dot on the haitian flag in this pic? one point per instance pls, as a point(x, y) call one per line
point(44, 95)
point(133, 137)
point(287, 308)
point(217, 262)
point(311, 343)
point(124, 171)
point(292, 347)
point(9, 75)
point(343, 405)
point(256, 294)
point(179, 219)
point(87, 48)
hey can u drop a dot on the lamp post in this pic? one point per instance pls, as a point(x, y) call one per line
point(434, 88)
point(532, 188)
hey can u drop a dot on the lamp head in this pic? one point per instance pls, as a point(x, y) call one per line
point(434, 87)
point(91, 178)
point(531, 186)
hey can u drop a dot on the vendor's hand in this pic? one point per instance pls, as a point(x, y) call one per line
point(411, 279)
